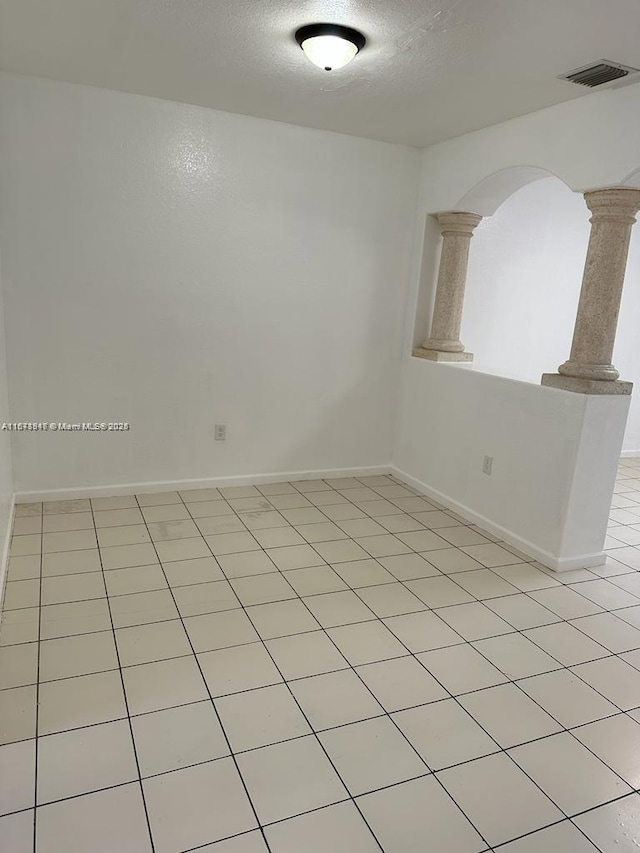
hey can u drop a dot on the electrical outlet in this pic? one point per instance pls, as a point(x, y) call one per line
point(487, 465)
point(220, 432)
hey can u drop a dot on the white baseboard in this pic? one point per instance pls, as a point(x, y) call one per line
point(630, 454)
point(4, 559)
point(558, 564)
point(118, 489)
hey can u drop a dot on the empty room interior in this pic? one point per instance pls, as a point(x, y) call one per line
point(319, 443)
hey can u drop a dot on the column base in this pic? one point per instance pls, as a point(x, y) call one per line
point(586, 386)
point(440, 355)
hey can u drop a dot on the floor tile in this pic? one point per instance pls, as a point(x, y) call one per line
point(461, 669)
point(170, 512)
point(261, 717)
point(338, 608)
point(290, 778)
point(155, 686)
point(566, 644)
point(295, 557)
point(189, 572)
point(614, 679)
point(335, 828)
point(498, 798)
point(366, 642)
point(491, 555)
point(16, 831)
point(75, 540)
point(565, 602)
point(180, 806)
point(64, 522)
point(606, 594)
point(118, 517)
point(220, 524)
point(509, 715)
point(69, 588)
point(390, 600)
point(422, 631)
point(613, 633)
point(474, 621)
point(406, 567)
point(219, 630)
point(121, 502)
point(521, 611)
point(19, 594)
point(278, 537)
point(70, 562)
point(195, 600)
point(209, 509)
point(142, 608)
point(568, 773)
point(341, 552)
point(401, 683)
point(324, 532)
point(281, 619)
point(24, 568)
point(561, 837)
point(525, 577)
point(238, 668)
point(19, 626)
point(17, 714)
point(568, 699)
point(450, 561)
point(246, 564)
point(148, 643)
point(516, 656)
point(186, 549)
point(262, 589)
point(22, 546)
point(81, 655)
point(305, 654)
point(82, 617)
point(123, 556)
point(134, 579)
point(17, 776)
point(83, 701)
point(483, 583)
point(316, 580)
point(371, 754)
point(616, 742)
point(178, 737)
point(18, 665)
point(615, 826)
point(439, 592)
point(419, 815)
point(253, 504)
point(361, 527)
point(85, 760)
point(335, 699)
point(132, 534)
point(444, 734)
point(162, 531)
point(423, 540)
point(113, 819)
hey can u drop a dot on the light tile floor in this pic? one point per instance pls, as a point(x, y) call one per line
point(334, 666)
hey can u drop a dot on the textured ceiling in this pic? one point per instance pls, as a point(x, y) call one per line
point(432, 69)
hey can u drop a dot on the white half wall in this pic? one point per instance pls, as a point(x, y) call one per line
point(175, 267)
point(550, 487)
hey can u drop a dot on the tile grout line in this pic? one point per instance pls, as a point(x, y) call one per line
point(124, 693)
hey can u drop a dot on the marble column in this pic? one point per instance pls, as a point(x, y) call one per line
point(444, 343)
point(589, 369)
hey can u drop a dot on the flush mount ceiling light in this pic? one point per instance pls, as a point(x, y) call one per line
point(329, 46)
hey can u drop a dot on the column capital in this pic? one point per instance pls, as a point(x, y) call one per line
point(613, 203)
point(458, 222)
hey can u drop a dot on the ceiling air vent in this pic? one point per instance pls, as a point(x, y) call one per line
point(599, 73)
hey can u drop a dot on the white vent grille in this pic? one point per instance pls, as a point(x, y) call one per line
point(599, 73)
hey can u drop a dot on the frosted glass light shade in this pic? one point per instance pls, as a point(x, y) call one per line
point(329, 46)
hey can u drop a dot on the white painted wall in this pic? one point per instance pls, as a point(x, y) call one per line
point(6, 472)
point(556, 452)
point(176, 267)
